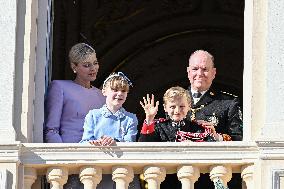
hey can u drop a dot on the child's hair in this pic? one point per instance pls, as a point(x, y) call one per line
point(176, 92)
point(117, 81)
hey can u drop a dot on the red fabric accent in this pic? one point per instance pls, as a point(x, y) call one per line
point(147, 129)
point(182, 136)
point(162, 119)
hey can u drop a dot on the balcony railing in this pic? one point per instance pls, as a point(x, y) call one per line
point(154, 160)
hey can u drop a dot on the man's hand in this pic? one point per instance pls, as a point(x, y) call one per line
point(208, 125)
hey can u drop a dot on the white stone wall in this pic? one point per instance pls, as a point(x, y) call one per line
point(8, 20)
point(274, 120)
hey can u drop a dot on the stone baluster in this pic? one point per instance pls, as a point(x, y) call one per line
point(222, 172)
point(188, 175)
point(3, 178)
point(30, 176)
point(154, 176)
point(90, 176)
point(57, 177)
point(122, 176)
point(247, 175)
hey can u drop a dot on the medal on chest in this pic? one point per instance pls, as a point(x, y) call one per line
point(213, 119)
point(193, 112)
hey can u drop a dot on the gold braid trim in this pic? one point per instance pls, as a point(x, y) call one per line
point(194, 110)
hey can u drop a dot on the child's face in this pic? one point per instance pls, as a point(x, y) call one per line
point(114, 98)
point(177, 109)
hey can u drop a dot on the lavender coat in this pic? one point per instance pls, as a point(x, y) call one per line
point(66, 106)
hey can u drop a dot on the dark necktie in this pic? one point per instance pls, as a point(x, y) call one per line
point(196, 95)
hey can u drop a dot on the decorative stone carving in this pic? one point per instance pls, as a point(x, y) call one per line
point(154, 176)
point(30, 176)
point(90, 176)
point(188, 175)
point(3, 178)
point(122, 175)
point(247, 175)
point(222, 172)
point(277, 178)
point(57, 177)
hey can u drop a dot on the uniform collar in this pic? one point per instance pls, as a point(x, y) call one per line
point(207, 97)
point(202, 93)
point(178, 124)
point(119, 114)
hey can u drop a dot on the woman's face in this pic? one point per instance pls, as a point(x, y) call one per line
point(87, 70)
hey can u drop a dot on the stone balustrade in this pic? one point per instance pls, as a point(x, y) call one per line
point(90, 176)
point(153, 160)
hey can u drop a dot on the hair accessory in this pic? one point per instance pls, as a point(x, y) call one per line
point(118, 74)
point(89, 46)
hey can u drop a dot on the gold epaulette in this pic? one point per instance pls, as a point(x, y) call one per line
point(229, 94)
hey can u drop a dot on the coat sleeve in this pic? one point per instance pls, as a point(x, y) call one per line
point(131, 132)
point(149, 132)
point(235, 121)
point(89, 127)
point(53, 112)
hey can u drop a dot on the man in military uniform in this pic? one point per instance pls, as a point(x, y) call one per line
point(219, 108)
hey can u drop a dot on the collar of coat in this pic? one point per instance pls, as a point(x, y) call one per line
point(208, 97)
point(119, 114)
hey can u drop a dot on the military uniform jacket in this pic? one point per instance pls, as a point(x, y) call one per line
point(223, 110)
point(166, 130)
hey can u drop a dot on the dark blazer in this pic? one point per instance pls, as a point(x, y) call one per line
point(166, 130)
point(221, 108)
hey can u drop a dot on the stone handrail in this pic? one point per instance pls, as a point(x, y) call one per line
point(154, 160)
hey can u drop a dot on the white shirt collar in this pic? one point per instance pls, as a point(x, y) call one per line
point(194, 91)
point(195, 100)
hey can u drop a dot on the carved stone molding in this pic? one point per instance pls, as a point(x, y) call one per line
point(277, 176)
point(3, 178)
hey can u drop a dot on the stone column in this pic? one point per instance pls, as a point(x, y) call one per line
point(188, 175)
point(154, 176)
point(273, 80)
point(122, 176)
point(57, 177)
point(247, 175)
point(8, 25)
point(3, 178)
point(90, 176)
point(222, 172)
point(29, 177)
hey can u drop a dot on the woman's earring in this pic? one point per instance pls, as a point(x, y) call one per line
point(74, 71)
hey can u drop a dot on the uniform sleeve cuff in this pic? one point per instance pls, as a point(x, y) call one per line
point(147, 128)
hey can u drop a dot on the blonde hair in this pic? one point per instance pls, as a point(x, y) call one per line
point(176, 92)
point(116, 82)
point(80, 52)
